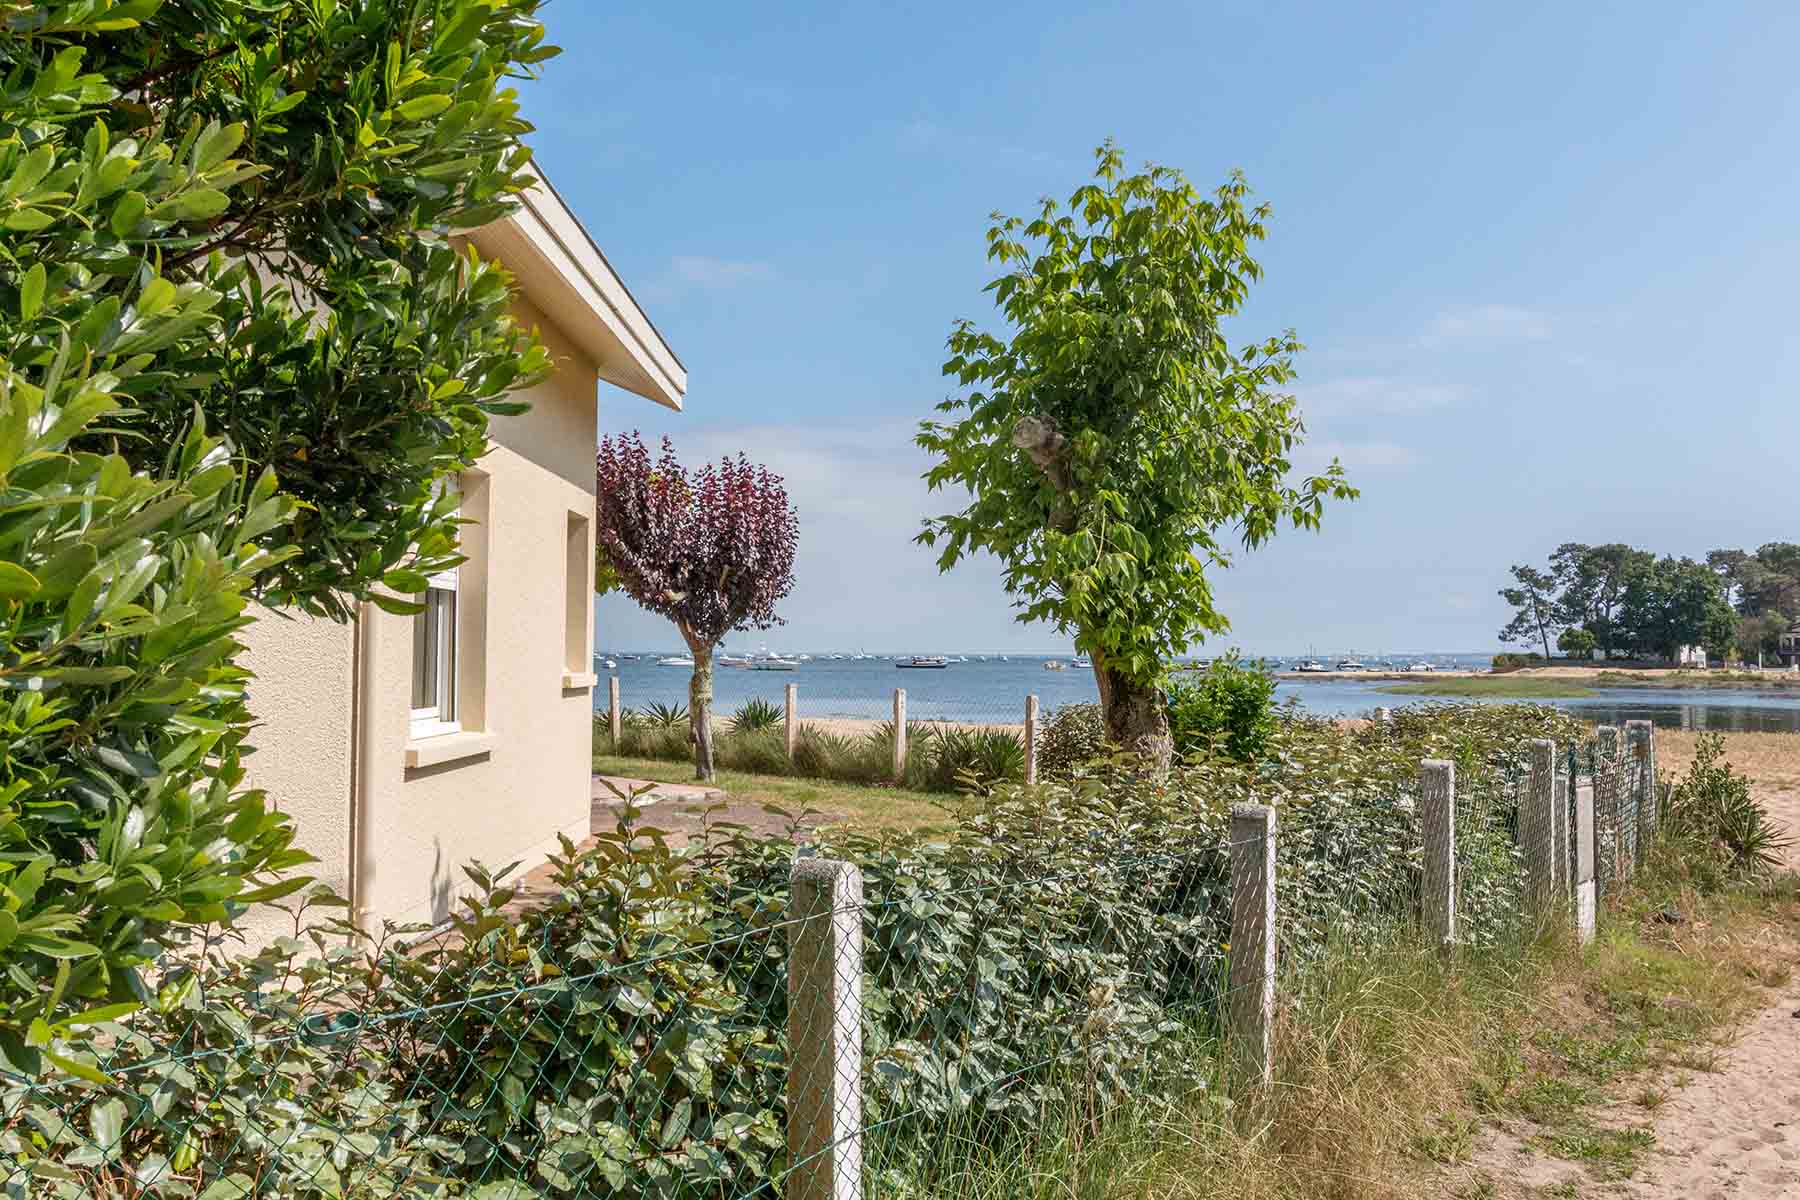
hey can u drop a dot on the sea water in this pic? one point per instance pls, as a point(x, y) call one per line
point(990, 691)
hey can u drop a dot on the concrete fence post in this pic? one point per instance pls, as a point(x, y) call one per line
point(1252, 977)
point(1609, 801)
point(1563, 844)
point(899, 735)
point(793, 719)
point(1536, 827)
point(1437, 823)
point(1586, 889)
point(1031, 739)
point(1640, 806)
point(1383, 716)
point(616, 714)
point(824, 1087)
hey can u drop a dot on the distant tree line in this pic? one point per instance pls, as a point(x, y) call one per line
point(1627, 602)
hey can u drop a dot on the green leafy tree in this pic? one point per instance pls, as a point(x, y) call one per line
point(1766, 581)
point(1537, 613)
point(1577, 643)
point(1110, 438)
point(1591, 583)
point(348, 344)
point(1678, 602)
point(237, 346)
point(1761, 634)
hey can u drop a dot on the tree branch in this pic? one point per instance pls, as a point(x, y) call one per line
point(1046, 446)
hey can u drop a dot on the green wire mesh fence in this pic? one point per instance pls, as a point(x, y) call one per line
point(731, 1020)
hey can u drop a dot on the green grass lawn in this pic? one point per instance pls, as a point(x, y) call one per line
point(1484, 686)
point(849, 803)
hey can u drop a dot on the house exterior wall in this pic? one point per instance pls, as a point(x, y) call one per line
point(519, 773)
point(303, 696)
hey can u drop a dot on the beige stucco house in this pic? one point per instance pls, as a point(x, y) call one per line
point(404, 747)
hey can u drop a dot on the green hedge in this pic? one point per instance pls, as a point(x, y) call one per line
point(939, 758)
point(626, 1037)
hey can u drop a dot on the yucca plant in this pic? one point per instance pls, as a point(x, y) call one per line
point(1712, 808)
point(757, 715)
point(664, 716)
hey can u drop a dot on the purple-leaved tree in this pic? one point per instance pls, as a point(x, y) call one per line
point(712, 551)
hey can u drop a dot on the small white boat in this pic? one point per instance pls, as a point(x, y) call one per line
point(1055, 664)
point(1350, 664)
point(774, 663)
point(924, 662)
point(1081, 662)
point(1312, 666)
point(675, 660)
point(610, 665)
point(1421, 666)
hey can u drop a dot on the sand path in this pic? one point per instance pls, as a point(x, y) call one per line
point(1734, 1132)
point(1728, 1134)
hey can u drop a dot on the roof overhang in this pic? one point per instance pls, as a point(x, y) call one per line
point(564, 275)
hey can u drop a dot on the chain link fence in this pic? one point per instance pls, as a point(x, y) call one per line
point(778, 1024)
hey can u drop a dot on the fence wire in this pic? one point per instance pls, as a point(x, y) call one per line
point(749, 1024)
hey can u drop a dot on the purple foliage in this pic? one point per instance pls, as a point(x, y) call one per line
point(713, 550)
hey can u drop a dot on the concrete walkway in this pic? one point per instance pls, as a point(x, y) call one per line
point(605, 795)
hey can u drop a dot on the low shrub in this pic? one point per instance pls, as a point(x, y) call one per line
point(627, 1036)
point(1507, 661)
point(757, 715)
point(1073, 737)
point(1230, 703)
point(1711, 814)
point(974, 760)
point(821, 754)
point(757, 752)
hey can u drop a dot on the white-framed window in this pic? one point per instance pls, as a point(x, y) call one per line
point(434, 656)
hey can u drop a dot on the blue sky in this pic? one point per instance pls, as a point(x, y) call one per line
point(1543, 257)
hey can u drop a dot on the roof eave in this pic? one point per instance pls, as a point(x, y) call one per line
point(563, 273)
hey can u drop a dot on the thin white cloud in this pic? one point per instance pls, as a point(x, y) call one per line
point(701, 274)
point(1364, 455)
point(1376, 394)
point(711, 274)
point(1486, 324)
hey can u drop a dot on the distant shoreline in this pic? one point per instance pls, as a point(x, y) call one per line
point(1597, 676)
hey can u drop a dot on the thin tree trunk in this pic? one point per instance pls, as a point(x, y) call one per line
point(1137, 719)
point(700, 698)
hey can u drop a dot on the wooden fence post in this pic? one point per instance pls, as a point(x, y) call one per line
point(1437, 822)
point(1252, 975)
point(1031, 739)
point(824, 1086)
point(793, 719)
point(900, 735)
point(617, 717)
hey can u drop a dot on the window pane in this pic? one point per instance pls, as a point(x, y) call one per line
point(445, 604)
point(426, 627)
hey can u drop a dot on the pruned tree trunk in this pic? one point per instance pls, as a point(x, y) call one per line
point(1137, 719)
point(700, 698)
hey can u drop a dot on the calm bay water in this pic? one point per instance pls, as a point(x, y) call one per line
point(995, 691)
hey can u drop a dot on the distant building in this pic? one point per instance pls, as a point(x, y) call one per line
point(1790, 646)
point(1692, 656)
